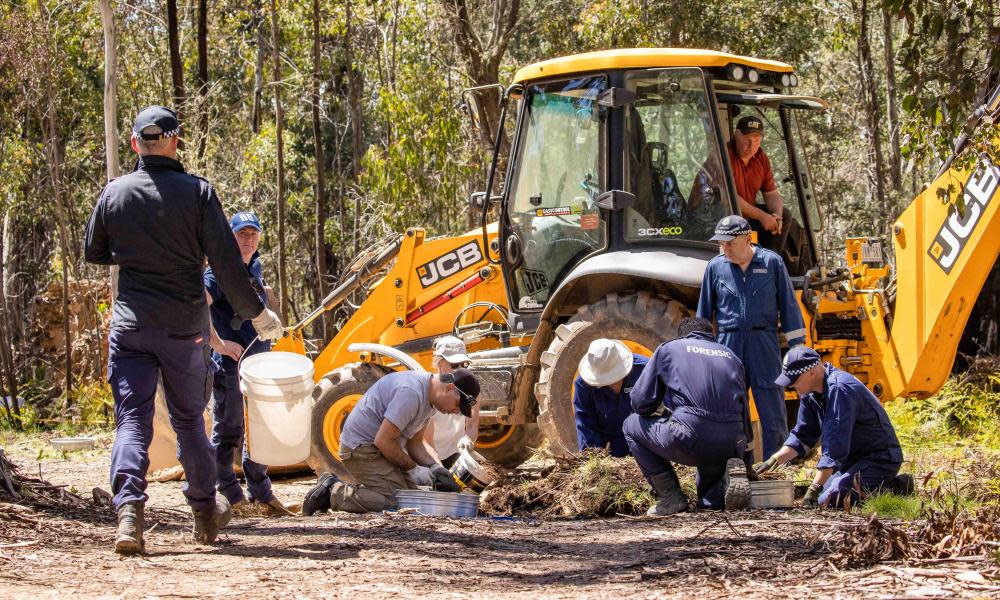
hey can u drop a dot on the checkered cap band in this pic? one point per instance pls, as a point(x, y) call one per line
point(728, 231)
point(801, 369)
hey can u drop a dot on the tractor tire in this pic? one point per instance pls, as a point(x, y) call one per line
point(335, 396)
point(640, 318)
point(508, 445)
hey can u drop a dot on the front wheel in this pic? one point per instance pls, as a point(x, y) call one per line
point(640, 320)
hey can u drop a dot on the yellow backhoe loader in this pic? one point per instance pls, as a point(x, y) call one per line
point(616, 174)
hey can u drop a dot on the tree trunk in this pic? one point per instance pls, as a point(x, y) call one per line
point(202, 80)
point(354, 101)
point(895, 161)
point(54, 160)
point(321, 268)
point(110, 129)
point(873, 118)
point(279, 132)
point(6, 340)
point(176, 67)
point(258, 72)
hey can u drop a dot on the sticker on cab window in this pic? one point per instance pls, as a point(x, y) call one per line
point(554, 211)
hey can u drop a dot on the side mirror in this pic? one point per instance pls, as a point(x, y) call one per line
point(616, 200)
point(477, 201)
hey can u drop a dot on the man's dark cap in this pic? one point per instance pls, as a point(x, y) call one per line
point(467, 386)
point(797, 361)
point(750, 124)
point(730, 228)
point(162, 117)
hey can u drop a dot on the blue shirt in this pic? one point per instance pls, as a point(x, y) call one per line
point(751, 299)
point(848, 419)
point(222, 313)
point(697, 375)
point(600, 412)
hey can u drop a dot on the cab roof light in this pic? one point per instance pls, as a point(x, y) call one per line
point(786, 80)
point(753, 76)
point(794, 79)
point(735, 72)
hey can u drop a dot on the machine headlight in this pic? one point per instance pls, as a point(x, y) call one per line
point(786, 80)
point(794, 79)
point(735, 72)
point(753, 76)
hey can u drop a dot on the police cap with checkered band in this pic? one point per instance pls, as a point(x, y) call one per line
point(797, 361)
point(730, 228)
point(162, 117)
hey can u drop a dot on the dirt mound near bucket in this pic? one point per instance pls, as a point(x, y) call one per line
point(592, 484)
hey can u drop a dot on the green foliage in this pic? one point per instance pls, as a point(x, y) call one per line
point(890, 505)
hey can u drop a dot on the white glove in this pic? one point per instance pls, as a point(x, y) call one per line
point(465, 444)
point(268, 325)
point(420, 475)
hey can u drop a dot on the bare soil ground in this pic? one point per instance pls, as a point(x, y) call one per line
point(67, 554)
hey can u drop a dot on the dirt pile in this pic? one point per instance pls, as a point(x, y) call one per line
point(592, 484)
point(944, 534)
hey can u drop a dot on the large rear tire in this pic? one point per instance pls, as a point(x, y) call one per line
point(508, 445)
point(335, 396)
point(639, 318)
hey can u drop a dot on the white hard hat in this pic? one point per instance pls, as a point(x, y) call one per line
point(451, 349)
point(606, 362)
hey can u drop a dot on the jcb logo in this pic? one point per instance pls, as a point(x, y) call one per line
point(448, 264)
point(956, 229)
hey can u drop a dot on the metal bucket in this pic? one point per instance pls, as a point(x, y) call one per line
point(468, 472)
point(439, 504)
point(775, 493)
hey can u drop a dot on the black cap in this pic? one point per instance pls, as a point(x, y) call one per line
point(467, 386)
point(730, 228)
point(750, 124)
point(798, 360)
point(162, 117)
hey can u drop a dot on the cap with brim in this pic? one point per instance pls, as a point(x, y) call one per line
point(162, 117)
point(606, 362)
point(797, 361)
point(242, 220)
point(452, 349)
point(729, 228)
point(467, 386)
point(748, 125)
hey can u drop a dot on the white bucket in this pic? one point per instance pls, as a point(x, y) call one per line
point(468, 472)
point(277, 390)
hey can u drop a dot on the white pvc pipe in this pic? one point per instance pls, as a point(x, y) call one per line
point(404, 359)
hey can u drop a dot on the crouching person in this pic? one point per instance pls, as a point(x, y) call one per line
point(691, 408)
point(601, 401)
point(385, 444)
point(860, 450)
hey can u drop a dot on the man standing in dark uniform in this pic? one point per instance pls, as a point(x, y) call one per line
point(158, 224)
point(745, 290)
point(232, 343)
point(691, 408)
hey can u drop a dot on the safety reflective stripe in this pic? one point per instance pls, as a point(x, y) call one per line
point(797, 333)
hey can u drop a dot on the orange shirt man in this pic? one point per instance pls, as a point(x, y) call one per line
point(752, 174)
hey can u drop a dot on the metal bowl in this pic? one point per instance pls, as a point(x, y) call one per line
point(73, 443)
point(773, 493)
point(439, 504)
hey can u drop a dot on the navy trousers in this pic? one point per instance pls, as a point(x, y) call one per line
point(227, 437)
point(137, 359)
point(862, 475)
point(686, 440)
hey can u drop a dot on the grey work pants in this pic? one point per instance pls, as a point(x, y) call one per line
point(378, 480)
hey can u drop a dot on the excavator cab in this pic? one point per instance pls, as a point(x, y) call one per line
point(607, 159)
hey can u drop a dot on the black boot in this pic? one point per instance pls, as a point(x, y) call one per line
point(207, 523)
point(672, 499)
point(737, 485)
point(130, 526)
point(318, 498)
point(902, 485)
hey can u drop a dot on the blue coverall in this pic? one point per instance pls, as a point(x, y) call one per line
point(600, 412)
point(745, 306)
point(158, 224)
point(859, 442)
point(227, 425)
point(690, 408)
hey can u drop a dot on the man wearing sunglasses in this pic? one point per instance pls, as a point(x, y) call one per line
point(386, 443)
